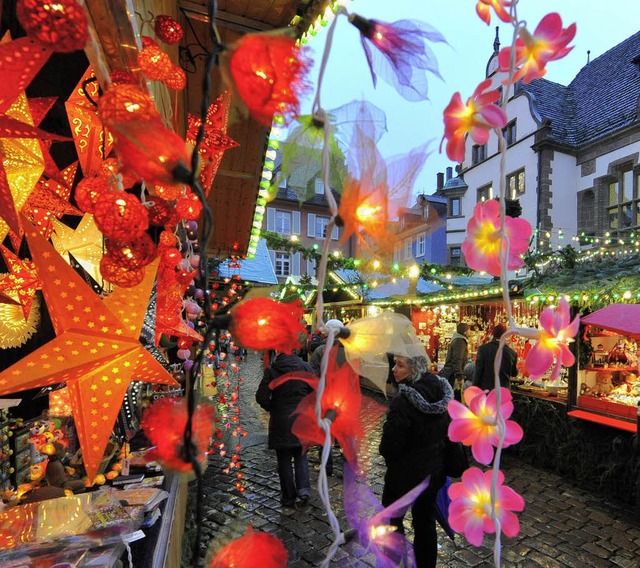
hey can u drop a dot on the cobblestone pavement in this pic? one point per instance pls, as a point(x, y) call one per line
point(560, 526)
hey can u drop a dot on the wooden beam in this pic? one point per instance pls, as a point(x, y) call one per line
point(240, 23)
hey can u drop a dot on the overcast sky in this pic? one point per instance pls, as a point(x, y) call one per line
point(600, 26)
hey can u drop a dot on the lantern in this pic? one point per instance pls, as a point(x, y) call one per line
point(112, 272)
point(119, 77)
point(176, 78)
point(120, 216)
point(162, 213)
point(169, 192)
point(153, 62)
point(135, 254)
point(189, 207)
point(168, 239)
point(168, 30)
point(88, 191)
point(63, 27)
point(124, 102)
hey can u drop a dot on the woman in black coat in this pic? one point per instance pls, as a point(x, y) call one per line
point(413, 448)
point(293, 468)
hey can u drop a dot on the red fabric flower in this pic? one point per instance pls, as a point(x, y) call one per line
point(263, 323)
point(268, 73)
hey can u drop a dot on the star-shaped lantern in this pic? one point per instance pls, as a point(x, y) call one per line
point(23, 280)
point(96, 350)
point(84, 243)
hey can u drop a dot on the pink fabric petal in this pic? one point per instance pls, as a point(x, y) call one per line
point(510, 524)
point(513, 433)
point(538, 360)
point(482, 450)
point(473, 531)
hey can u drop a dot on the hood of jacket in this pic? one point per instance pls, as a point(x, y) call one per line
point(457, 335)
point(284, 363)
point(430, 394)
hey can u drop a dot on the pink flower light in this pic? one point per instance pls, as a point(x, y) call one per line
point(470, 508)
point(483, 9)
point(475, 117)
point(481, 248)
point(475, 424)
point(548, 43)
point(552, 346)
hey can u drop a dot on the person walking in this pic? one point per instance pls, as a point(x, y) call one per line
point(412, 446)
point(483, 375)
point(457, 355)
point(281, 402)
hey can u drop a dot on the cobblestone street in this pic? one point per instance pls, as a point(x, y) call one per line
point(561, 525)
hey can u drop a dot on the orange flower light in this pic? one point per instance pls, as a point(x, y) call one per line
point(263, 323)
point(475, 117)
point(252, 549)
point(483, 9)
point(548, 43)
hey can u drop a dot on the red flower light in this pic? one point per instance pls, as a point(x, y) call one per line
point(252, 549)
point(263, 323)
point(164, 423)
point(268, 73)
point(60, 25)
point(168, 30)
point(120, 216)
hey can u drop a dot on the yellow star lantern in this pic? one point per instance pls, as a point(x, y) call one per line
point(95, 352)
point(84, 243)
point(22, 279)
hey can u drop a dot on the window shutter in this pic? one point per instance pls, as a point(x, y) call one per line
point(295, 265)
point(271, 219)
point(335, 233)
point(295, 229)
point(311, 225)
point(311, 268)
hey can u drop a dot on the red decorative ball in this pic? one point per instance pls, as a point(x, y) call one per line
point(176, 78)
point(189, 207)
point(263, 323)
point(164, 423)
point(169, 192)
point(121, 77)
point(110, 168)
point(168, 239)
point(252, 549)
point(88, 191)
point(125, 102)
point(132, 255)
point(61, 26)
point(153, 62)
point(185, 277)
point(120, 216)
point(162, 213)
point(170, 256)
point(168, 30)
point(112, 272)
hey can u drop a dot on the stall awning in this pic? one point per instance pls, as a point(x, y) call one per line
point(621, 318)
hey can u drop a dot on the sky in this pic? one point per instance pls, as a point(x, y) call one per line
point(462, 63)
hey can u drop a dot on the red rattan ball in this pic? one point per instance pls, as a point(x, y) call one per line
point(189, 207)
point(110, 168)
point(112, 272)
point(136, 254)
point(61, 26)
point(169, 192)
point(120, 216)
point(124, 103)
point(176, 78)
point(88, 191)
point(170, 256)
point(121, 77)
point(168, 239)
point(162, 213)
point(168, 30)
point(154, 62)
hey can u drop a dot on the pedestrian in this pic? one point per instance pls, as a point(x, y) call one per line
point(483, 375)
point(457, 355)
point(281, 402)
point(412, 446)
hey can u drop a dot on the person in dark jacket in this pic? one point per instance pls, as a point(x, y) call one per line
point(457, 355)
point(412, 446)
point(281, 402)
point(483, 375)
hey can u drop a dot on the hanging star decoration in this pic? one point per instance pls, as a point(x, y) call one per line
point(85, 243)
point(14, 329)
point(22, 280)
point(215, 140)
point(96, 351)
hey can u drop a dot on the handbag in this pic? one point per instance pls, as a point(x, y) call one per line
point(456, 460)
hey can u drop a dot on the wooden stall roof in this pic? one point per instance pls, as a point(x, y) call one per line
point(235, 188)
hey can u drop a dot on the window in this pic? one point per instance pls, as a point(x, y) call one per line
point(478, 153)
point(283, 264)
point(455, 256)
point(515, 184)
point(318, 186)
point(317, 227)
point(407, 249)
point(485, 193)
point(622, 210)
point(421, 242)
point(283, 222)
point(321, 226)
point(455, 209)
point(397, 254)
point(509, 133)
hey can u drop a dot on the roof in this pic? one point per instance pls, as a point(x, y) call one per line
point(258, 269)
point(600, 100)
point(621, 318)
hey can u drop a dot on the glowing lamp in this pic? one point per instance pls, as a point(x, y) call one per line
point(120, 216)
point(263, 323)
point(112, 272)
point(189, 207)
point(60, 25)
point(252, 549)
point(168, 30)
point(124, 102)
point(168, 239)
point(162, 214)
point(110, 168)
point(169, 192)
point(119, 77)
point(135, 254)
point(154, 62)
point(176, 78)
point(88, 191)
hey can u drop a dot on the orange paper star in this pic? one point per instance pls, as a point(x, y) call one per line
point(22, 280)
point(96, 350)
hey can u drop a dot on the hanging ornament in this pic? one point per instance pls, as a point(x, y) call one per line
point(252, 549)
point(169, 192)
point(116, 274)
point(162, 213)
point(189, 207)
point(153, 62)
point(132, 255)
point(110, 169)
point(167, 29)
point(124, 103)
point(120, 216)
point(88, 191)
point(268, 72)
point(61, 26)
point(176, 78)
point(120, 77)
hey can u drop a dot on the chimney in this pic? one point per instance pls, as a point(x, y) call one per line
point(439, 180)
point(449, 173)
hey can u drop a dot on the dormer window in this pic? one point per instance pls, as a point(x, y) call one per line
point(478, 153)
